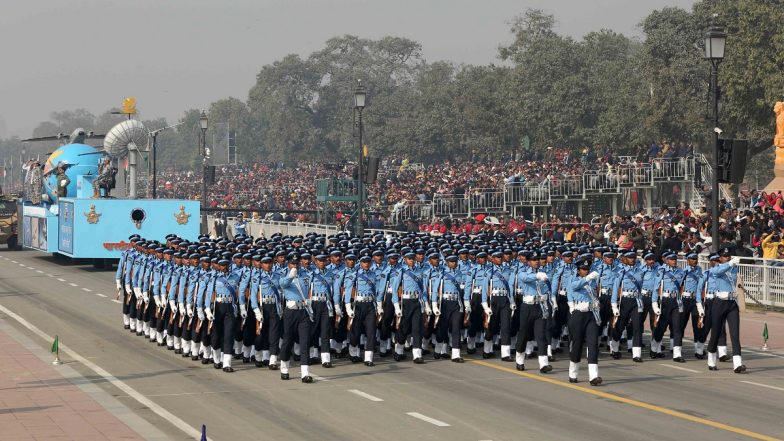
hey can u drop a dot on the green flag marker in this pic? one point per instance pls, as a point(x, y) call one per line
point(765, 333)
point(55, 345)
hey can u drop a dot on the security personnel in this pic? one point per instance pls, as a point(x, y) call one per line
point(362, 305)
point(669, 285)
point(320, 294)
point(708, 294)
point(410, 304)
point(433, 265)
point(607, 276)
point(340, 273)
point(448, 302)
point(475, 279)
point(724, 310)
point(649, 273)
point(267, 308)
point(584, 321)
point(204, 304)
point(498, 304)
point(223, 289)
point(627, 305)
point(190, 307)
point(245, 334)
point(123, 268)
point(534, 312)
point(296, 318)
point(691, 290)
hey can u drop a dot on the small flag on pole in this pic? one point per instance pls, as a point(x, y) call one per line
point(203, 432)
point(56, 350)
point(765, 337)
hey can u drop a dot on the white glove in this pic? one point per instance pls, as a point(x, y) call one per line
point(735, 261)
point(379, 308)
point(468, 308)
point(350, 310)
point(592, 276)
point(656, 309)
point(63, 182)
point(200, 313)
point(243, 311)
point(700, 310)
point(571, 307)
point(436, 309)
point(513, 306)
point(616, 311)
point(138, 292)
point(555, 306)
point(398, 310)
point(208, 313)
point(119, 285)
point(146, 297)
point(257, 313)
point(542, 277)
point(173, 305)
point(428, 311)
point(293, 273)
point(157, 300)
point(182, 309)
point(189, 310)
point(127, 289)
point(487, 309)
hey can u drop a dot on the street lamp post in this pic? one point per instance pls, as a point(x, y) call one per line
point(203, 120)
point(360, 93)
point(715, 41)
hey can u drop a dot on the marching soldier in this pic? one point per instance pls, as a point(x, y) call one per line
point(341, 272)
point(649, 274)
point(626, 302)
point(584, 322)
point(266, 303)
point(389, 271)
point(448, 304)
point(320, 294)
point(296, 318)
point(708, 293)
point(724, 310)
point(123, 269)
point(498, 304)
point(223, 291)
point(534, 312)
point(691, 290)
point(205, 304)
point(669, 287)
point(246, 333)
point(606, 271)
point(362, 304)
point(559, 285)
point(475, 279)
point(408, 298)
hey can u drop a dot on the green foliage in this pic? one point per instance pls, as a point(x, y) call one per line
point(603, 89)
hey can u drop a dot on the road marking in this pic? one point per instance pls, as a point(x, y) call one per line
point(632, 402)
point(39, 271)
point(364, 395)
point(87, 289)
point(49, 275)
point(427, 419)
point(763, 385)
point(14, 261)
point(100, 295)
point(317, 378)
point(131, 392)
point(73, 284)
point(116, 301)
point(62, 280)
point(672, 366)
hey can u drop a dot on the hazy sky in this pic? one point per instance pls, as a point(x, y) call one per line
point(174, 55)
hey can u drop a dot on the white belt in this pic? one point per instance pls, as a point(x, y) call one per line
point(294, 304)
point(710, 295)
point(477, 291)
point(562, 292)
point(499, 292)
point(604, 290)
point(646, 292)
point(667, 294)
point(411, 295)
point(365, 298)
point(223, 300)
point(319, 298)
point(687, 294)
point(530, 300)
point(629, 294)
point(268, 300)
point(449, 297)
point(518, 291)
point(582, 306)
point(725, 295)
point(462, 286)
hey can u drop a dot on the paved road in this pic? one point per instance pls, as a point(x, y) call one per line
point(480, 400)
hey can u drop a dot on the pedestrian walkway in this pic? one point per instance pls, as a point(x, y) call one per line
point(38, 403)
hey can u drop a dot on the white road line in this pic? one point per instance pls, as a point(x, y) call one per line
point(427, 419)
point(679, 368)
point(87, 289)
point(39, 271)
point(116, 301)
point(49, 275)
point(62, 280)
point(764, 385)
point(143, 400)
point(30, 267)
point(14, 261)
point(364, 395)
point(73, 284)
point(100, 295)
point(317, 378)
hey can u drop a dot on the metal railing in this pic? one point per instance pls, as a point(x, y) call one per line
point(673, 169)
point(528, 194)
point(450, 205)
point(762, 279)
point(635, 175)
point(486, 199)
point(567, 187)
point(601, 182)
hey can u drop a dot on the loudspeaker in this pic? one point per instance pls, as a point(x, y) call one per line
point(371, 170)
point(210, 174)
point(732, 160)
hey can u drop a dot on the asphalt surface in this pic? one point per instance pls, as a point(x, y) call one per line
point(478, 400)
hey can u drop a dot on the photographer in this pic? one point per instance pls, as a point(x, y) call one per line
point(770, 243)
